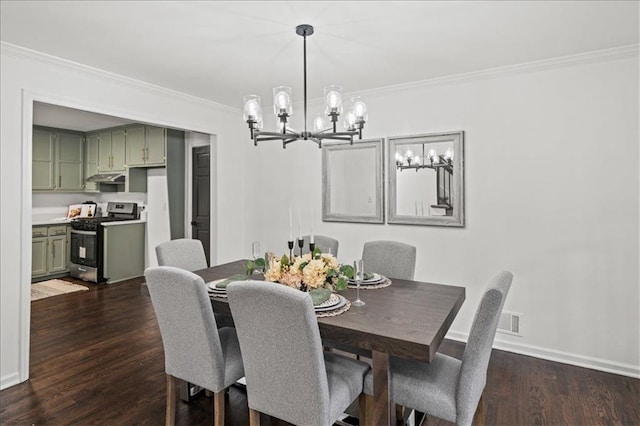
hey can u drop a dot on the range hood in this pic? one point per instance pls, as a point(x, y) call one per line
point(114, 178)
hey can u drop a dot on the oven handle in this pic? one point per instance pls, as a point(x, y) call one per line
point(75, 231)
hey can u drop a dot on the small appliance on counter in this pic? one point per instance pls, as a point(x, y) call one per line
point(84, 210)
point(87, 239)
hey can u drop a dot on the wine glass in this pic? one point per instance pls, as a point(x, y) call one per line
point(358, 269)
point(255, 251)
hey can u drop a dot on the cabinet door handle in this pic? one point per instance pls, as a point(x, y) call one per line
point(143, 157)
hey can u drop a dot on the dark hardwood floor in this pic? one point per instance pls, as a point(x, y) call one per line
point(97, 358)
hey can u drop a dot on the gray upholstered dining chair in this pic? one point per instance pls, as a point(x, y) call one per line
point(390, 258)
point(195, 350)
point(288, 375)
point(326, 244)
point(184, 253)
point(447, 387)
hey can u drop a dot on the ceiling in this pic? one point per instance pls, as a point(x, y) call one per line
point(223, 50)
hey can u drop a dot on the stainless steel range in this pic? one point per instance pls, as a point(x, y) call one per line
point(87, 241)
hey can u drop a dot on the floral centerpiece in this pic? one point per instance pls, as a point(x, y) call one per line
point(308, 272)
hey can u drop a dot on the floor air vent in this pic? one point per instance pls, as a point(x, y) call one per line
point(509, 323)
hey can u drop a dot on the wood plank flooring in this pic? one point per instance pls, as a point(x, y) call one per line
point(97, 358)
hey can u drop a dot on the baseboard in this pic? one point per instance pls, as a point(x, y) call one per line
point(9, 380)
point(593, 363)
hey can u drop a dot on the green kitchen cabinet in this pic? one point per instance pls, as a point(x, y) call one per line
point(91, 167)
point(57, 160)
point(42, 159)
point(124, 249)
point(69, 161)
point(112, 151)
point(50, 250)
point(146, 146)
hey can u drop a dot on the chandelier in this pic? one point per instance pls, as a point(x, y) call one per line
point(354, 118)
point(432, 160)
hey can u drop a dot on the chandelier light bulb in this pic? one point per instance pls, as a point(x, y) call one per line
point(252, 108)
point(282, 100)
point(409, 154)
point(359, 108)
point(332, 100)
point(432, 155)
point(350, 120)
point(318, 123)
point(416, 159)
point(398, 157)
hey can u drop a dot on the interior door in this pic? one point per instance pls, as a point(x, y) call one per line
point(201, 214)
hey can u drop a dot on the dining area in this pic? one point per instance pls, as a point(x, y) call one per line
point(309, 348)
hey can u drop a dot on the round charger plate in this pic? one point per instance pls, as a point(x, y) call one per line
point(332, 301)
point(382, 284)
point(341, 302)
point(377, 279)
point(211, 286)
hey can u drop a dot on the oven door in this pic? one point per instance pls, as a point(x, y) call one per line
point(84, 248)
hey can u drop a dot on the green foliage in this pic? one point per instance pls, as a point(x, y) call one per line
point(347, 271)
point(255, 265)
point(316, 253)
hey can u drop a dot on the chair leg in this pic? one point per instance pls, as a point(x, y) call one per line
point(254, 417)
point(365, 403)
point(218, 408)
point(170, 414)
point(478, 417)
point(399, 414)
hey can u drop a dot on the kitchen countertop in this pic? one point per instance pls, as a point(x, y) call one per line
point(123, 222)
point(41, 220)
point(49, 220)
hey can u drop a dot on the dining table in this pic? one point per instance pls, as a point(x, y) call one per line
point(407, 319)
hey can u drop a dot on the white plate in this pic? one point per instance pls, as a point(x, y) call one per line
point(339, 305)
point(332, 301)
point(211, 286)
point(377, 279)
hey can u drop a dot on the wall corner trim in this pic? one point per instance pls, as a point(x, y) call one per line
point(9, 380)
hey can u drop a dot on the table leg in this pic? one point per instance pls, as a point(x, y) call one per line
point(383, 409)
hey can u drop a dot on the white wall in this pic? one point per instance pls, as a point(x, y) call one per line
point(551, 154)
point(26, 76)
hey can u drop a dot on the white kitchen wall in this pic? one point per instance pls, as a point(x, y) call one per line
point(27, 75)
point(551, 154)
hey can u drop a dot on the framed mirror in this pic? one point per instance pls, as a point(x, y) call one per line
point(426, 179)
point(352, 182)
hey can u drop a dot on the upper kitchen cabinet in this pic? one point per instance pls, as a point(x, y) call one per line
point(91, 157)
point(57, 160)
point(146, 146)
point(42, 174)
point(112, 151)
point(69, 161)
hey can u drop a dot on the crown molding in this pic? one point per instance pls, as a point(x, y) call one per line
point(9, 49)
point(628, 51)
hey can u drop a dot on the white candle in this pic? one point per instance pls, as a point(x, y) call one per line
point(299, 222)
point(290, 224)
point(311, 237)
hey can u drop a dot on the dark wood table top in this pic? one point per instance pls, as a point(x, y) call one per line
point(408, 319)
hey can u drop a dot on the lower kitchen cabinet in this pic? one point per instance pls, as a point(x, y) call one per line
point(49, 251)
point(123, 250)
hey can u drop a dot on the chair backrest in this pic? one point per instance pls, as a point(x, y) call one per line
point(192, 349)
point(475, 360)
point(326, 244)
point(281, 351)
point(390, 258)
point(183, 253)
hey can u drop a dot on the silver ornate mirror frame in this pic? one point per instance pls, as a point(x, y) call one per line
point(436, 214)
point(353, 182)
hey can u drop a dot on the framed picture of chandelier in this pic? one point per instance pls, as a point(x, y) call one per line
point(426, 179)
point(353, 182)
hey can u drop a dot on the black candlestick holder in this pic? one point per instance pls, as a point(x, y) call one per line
point(300, 245)
point(312, 247)
point(290, 244)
